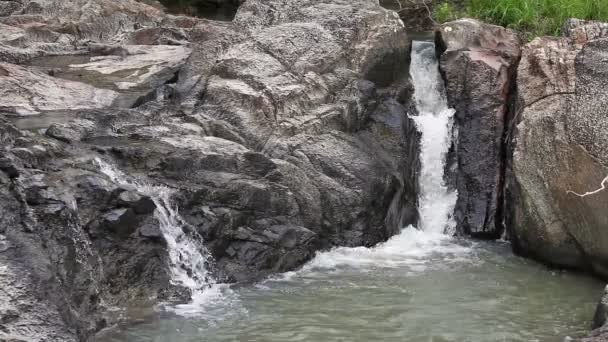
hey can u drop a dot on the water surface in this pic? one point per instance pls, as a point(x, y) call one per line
point(475, 292)
point(421, 285)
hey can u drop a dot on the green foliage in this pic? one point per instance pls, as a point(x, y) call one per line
point(445, 12)
point(535, 17)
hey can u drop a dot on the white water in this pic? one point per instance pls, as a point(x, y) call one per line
point(416, 249)
point(434, 121)
point(413, 250)
point(189, 258)
point(414, 287)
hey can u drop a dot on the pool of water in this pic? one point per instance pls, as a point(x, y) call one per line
point(425, 290)
point(421, 285)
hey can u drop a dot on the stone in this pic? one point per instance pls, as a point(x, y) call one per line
point(70, 132)
point(7, 166)
point(556, 201)
point(158, 36)
point(601, 312)
point(479, 62)
point(156, 65)
point(151, 231)
point(283, 133)
point(139, 203)
point(26, 92)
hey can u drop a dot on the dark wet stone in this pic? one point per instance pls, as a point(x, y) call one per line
point(139, 203)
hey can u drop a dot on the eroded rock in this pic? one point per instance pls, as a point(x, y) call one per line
point(284, 134)
point(479, 62)
point(560, 147)
point(28, 92)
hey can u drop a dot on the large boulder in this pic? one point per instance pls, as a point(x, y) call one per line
point(479, 63)
point(295, 131)
point(71, 242)
point(557, 199)
point(284, 133)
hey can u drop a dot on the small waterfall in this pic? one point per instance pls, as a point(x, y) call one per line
point(189, 258)
point(435, 122)
point(416, 250)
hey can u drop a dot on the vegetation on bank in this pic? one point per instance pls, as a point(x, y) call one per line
point(534, 17)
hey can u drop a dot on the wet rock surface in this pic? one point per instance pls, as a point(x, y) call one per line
point(536, 149)
point(479, 63)
point(28, 92)
point(282, 133)
point(556, 203)
point(599, 321)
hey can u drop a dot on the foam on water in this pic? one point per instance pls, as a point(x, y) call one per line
point(416, 249)
point(411, 249)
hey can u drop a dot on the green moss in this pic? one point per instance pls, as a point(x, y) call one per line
point(535, 17)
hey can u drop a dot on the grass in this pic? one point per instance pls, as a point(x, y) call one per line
point(533, 17)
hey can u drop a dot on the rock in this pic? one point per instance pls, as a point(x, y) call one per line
point(152, 231)
point(139, 203)
point(26, 315)
point(209, 41)
point(156, 64)
point(120, 221)
point(9, 7)
point(582, 31)
point(54, 265)
point(26, 92)
point(73, 131)
point(285, 133)
point(417, 15)
point(7, 165)
point(332, 161)
point(560, 153)
point(601, 312)
point(479, 62)
point(158, 36)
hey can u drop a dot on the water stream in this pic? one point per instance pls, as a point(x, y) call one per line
point(189, 259)
point(421, 285)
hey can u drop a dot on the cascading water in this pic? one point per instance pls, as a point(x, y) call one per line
point(189, 258)
point(414, 287)
point(413, 246)
point(434, 121)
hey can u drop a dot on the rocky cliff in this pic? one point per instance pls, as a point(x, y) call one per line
point(531, 129)
point(532, 140)
point(282, 132)
point(560, 144)
point(479, 63)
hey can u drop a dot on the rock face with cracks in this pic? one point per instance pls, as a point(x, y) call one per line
point(557, 200)
point(479, 63)
point(532, 147)
point(282, 133)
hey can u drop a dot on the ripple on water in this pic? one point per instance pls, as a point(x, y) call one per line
point(469, 294)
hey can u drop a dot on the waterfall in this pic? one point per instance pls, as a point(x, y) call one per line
point(188, 257)
point(434, 121)
point(430, 244)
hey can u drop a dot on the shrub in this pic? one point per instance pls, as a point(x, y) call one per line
point(535, 17)
point(445, 12)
